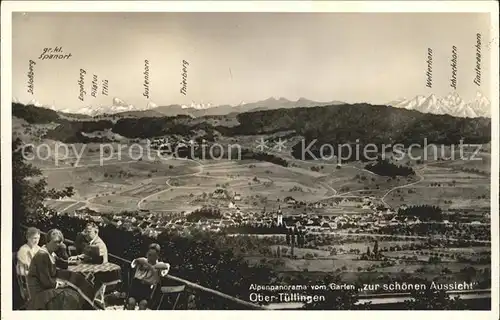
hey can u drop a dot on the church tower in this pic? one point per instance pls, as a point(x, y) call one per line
point(279, 220)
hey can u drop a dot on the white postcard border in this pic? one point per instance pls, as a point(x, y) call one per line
point(237, 6)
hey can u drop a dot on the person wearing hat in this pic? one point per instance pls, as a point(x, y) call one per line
point(148, 272)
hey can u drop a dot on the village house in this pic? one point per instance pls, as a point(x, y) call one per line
point(290, 200)
point(96, 219)
point(219, 194)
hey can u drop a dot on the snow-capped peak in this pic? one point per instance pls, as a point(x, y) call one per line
point(197, 106)
point(432, 104)
point(119, 102)
point(431, 100)
point(118, 106)
point(151, 105)
point(410, 104)
point(86, 110)
point(481, 105)
point(452, 104)
point(35, 103)
point(454, 98)
point(481, 98)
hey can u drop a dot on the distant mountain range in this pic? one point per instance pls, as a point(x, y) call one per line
point(452, 104)
point(199, 110)
point(195, 109)
point(344, 123)
point(118, 106)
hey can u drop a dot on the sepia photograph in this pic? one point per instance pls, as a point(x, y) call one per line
point(253, 160)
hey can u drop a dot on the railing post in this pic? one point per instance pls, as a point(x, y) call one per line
point(191, 301)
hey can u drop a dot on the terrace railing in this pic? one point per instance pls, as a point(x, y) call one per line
point(194, 287)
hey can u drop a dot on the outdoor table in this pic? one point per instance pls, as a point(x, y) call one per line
point(78, 282)
point(100, 276)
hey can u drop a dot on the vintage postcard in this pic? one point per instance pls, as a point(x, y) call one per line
point(250, 156)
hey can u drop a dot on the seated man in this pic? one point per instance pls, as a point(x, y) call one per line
point(95, 251)
point(147, 276)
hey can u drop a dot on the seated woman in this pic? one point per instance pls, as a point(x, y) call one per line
point(48, 293)
point(81, 242)
point(61, 256)
point(147, 276)
point(27, 251)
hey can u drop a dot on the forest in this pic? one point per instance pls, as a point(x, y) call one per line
point(336, 124)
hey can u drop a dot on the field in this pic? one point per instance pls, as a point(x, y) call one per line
point(447, 188)
point(391, 266)
point(162, 185)
point(123, 180)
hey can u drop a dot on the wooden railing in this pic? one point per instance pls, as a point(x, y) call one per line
point(197, 287)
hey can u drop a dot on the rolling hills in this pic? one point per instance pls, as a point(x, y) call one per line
point(329, 124)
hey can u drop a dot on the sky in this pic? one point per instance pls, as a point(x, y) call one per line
point(246, 57)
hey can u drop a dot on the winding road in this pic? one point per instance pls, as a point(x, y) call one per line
point(417, 173)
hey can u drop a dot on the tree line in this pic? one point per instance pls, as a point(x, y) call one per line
point(337, 124)
point(385, 168)
point(422, 212)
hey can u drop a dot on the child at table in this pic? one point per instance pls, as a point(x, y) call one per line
point(148, 272)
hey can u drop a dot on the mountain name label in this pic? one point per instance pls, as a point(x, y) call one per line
point(104, 87)
point(31, 77)
point(93, 89)
point(428, 83)
point(477, 79)
point(54, 54)
point(146, 79)
point(184, 77)
point(454, 61)
point(81, 84)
